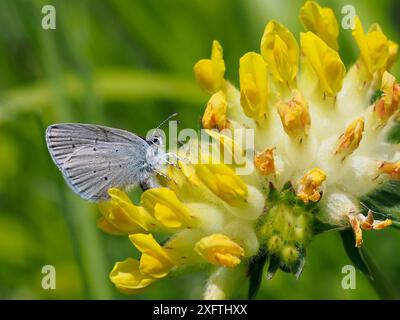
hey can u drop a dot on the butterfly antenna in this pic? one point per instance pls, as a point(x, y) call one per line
point(166, 120)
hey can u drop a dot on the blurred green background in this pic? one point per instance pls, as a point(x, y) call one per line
point(128, 64)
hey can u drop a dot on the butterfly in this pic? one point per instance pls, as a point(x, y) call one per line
point(94, 158)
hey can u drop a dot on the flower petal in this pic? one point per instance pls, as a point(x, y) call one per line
point(280, 51)
point(295, 116)
point(351, 138)
point(166, 208)
point(107, 227)
point(215, 113)
point(321, 21)
point(219, 249)
point(253, 86)
point(223, 182)
point(325, 62)
point(309, 185)
point(127, 277)
point(374, 47)
point(123, 215)
point(154, 261)
point(209, 73)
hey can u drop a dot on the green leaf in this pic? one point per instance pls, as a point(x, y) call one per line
point(379, 282)
point(384, 201)
point(320, 227)
point(273, 266)
point(394, 134)
point(354, 253)
point(256, 268)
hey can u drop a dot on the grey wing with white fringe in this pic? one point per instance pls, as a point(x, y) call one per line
point(94, 158)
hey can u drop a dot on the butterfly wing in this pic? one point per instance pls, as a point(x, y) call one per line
point(94, 158)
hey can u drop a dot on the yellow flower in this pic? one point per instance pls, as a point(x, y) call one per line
point(388, 104)
point(107, 227)
point(350, 139)
point(295, 116)
point(215, 113)
point(325, 62)
point(183, 178)
point(127, 277)
point(253, 86)
point(229, 149)
point(219, 249)
point(210, 72)
point(391, 168)
point(359, 222)
point(155, 260)
point(322, 22)
point(374, 48)
point(223, 182)
point(121, 216)
point(393, 51)
point(215, 212)
point(264, 162)
point(280, 51)
point(309, 185)
point(164, 205)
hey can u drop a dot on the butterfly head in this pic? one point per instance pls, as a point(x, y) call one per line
point(155, 155)
point(155, 140)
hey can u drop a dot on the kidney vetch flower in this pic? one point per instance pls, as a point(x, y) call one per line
point(319, 146)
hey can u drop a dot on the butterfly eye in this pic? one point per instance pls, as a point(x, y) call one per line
point(155, 140)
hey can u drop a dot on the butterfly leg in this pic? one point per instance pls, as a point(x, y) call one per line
point(177, 158)
point(149, 183)
point(162, 174)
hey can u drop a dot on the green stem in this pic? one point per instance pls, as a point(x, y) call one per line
point(85, 241)
point(89, 247)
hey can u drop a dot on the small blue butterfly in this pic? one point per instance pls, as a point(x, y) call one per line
point(95, 158)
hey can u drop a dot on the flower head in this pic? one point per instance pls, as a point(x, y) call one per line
point(317, 150)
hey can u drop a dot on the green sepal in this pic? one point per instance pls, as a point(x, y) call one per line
point(298, 266)
point(256, 268)
point(273, 266)
point(273, 195)
point(300, 263)
point(287, 195)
